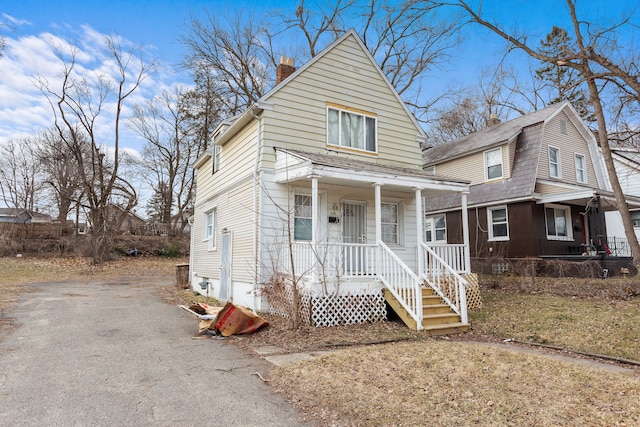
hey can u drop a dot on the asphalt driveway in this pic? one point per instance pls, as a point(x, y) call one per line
point(113, 354)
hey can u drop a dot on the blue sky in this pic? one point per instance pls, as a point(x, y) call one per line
point(159, 24)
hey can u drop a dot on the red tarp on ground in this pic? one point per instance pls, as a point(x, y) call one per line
point(233, 319)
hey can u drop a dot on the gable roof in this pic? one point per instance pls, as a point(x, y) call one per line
point(263, 103)
point(490, 137)
point(520, 185)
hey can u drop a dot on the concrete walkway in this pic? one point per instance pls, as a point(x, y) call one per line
point(113, 354)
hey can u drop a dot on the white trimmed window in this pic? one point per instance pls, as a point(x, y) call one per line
point(635, 218)
point(493, 164)
point(216, 158)
point(302, 217)
point(435, 228)
point(351, 130)
point(554, 163)
point(209, 228)
point(558, 220)
point(581, 174)
point(498, 220)
point(390, 223)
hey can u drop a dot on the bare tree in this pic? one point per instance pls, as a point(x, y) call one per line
point(595, 55)
point(231, 51)
point(171, 147)
point(406, 39)
point(77, 107)
point(60, 169)
point(20, 176)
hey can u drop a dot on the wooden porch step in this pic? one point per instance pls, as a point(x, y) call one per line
point(438, 318)
point(446, 329)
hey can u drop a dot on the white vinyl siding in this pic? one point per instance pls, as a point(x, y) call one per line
point(498, 221)
point(571, 142)
point(555, 170)
point(581, 173)
point(558, 222)
point(299, 116)
point(493, 164)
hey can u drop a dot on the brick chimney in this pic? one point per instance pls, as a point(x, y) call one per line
point(493, 120)
point(285, 69)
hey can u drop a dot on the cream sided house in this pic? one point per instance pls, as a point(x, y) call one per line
point(539, 189)
point(627, 164)
point(319, 186)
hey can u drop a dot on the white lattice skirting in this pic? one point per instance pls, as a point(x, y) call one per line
point(336, 310)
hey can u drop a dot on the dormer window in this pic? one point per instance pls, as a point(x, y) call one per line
point(493, 164)
point(349, 129)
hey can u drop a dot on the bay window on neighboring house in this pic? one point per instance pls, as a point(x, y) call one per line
point(558, 221)
point(581, 174)
point(349, 129)
point(498, 220)
point(435, 228)
point(493, 164)
point(209, 229)
point(302, 217)
point(555, 170)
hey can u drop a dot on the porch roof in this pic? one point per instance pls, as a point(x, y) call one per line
point(293, 165)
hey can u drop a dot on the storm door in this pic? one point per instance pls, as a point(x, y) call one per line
point(354, 233)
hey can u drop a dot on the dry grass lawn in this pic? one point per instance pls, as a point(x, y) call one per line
point(441, 383)
point(411, 379)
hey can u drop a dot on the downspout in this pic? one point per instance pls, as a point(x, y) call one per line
point(256, 260)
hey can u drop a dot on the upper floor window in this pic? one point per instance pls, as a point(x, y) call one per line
point(351, 130)
point(554, 163)
point(498, 220)
point(558, 220)
point(216, 158)
point(302, 217)
point(435, 228)
point(390, 223)
point(581, 174)
point(493, 163)
point(635, 218)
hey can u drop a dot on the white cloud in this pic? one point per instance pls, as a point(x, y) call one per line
point(15, 21)
point(24, 110)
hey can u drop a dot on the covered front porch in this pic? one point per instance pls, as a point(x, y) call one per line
point(358, 229)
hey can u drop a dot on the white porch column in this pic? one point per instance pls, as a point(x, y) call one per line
point(314, 224)
point(378, 212)
point(465, 234)
point(419, 229)
point(314, 211)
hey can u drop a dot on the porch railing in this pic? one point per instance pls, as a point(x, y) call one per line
point(444, 280)
point(331, 259)
point(452, 254)
point(618, 246)
point(403, 283)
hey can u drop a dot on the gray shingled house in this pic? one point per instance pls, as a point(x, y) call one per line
point(539, 188)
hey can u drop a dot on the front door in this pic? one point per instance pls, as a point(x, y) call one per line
point(225, 267)
point(354, 230)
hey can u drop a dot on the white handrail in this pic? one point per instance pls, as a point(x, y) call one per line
point(403, 283)
point(452, 254)
point(445, 281)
